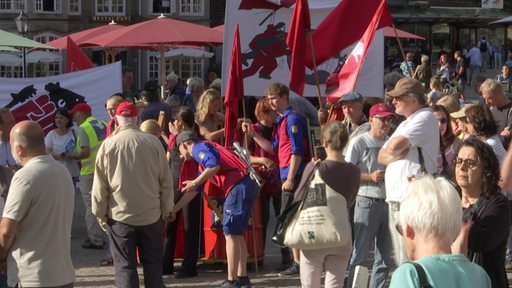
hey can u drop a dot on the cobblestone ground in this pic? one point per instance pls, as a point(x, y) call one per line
point(90, 274)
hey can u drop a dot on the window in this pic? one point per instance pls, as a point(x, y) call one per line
point(110, 7)
point(10, 71)
point(47, 68)
point(74, 7)
point(47, 5)
point(12, 5)
point(183, 67)
point(161, 6)
point(456, 3)
point(192, 7)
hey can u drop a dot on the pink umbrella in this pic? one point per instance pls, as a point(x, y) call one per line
point(82, 36)
point(159, 34)
point(389, 32)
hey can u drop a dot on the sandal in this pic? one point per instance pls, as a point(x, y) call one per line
point(106, 262)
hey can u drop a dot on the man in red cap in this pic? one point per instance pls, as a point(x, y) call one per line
point(90, 134)
point(131, 195)
point(371, 209)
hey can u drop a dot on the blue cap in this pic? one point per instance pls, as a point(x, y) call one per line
point(351, 97)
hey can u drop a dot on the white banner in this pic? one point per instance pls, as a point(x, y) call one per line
point(265, 56)
point(37, 99)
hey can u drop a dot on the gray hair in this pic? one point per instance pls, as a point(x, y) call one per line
point(494, 87)
point(424, 59)
point(432, 208)
point(392, 77)
point(121, 120)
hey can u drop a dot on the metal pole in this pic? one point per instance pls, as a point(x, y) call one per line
point(24, 62)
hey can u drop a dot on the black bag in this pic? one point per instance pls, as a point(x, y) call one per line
point(284, 219)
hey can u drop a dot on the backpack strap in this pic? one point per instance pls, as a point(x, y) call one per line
point(421, 275)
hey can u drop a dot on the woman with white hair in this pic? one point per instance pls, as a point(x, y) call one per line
point(430, 220)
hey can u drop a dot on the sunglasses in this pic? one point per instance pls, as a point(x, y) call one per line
point(386, 119)
point(443, 121)
point(470, 163)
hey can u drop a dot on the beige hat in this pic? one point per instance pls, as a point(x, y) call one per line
point(462, 112)
point(405, 86)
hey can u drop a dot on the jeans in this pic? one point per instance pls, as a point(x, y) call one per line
point(94, 231)
point(371, 229)
point(397, 239)
point(473, 71)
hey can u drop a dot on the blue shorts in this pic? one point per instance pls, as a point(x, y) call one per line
point(237, 206)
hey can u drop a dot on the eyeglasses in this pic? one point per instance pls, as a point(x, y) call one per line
point(442, 121)
point(385, 119)
point(470, 163)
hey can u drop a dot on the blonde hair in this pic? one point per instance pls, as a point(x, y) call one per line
point(151, 126)
point(207, 98)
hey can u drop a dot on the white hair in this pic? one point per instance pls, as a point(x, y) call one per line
point(432, 208)
point(121, 120)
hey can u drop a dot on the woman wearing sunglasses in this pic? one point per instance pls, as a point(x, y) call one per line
point(484, 233)
point(449, 143)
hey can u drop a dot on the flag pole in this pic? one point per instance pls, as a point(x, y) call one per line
point(315, 70)
point(402, 50)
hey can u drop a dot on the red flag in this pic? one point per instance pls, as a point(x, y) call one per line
point(76, 60)
point(297, 41)
point(343, 26)
point(234, 90)
point(347, 77)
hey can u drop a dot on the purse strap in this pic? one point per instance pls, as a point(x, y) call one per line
point(422, 161)
point(306, 184)
point(421, 275)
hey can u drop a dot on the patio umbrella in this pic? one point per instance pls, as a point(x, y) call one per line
point(43, 57)
point(159, 34)
point(13, 40)
point(82, 36)
point(7, 48)
point(389, 32)
point(188, 52)
point(8, 59)
point(506, 20)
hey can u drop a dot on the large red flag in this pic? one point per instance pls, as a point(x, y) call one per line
point(345, 25)
point(347, 77)
point(234, 91)
point(297, 41)
point(76, 60)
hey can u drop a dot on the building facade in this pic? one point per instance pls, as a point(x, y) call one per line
point(449, 25)
point(51, 19)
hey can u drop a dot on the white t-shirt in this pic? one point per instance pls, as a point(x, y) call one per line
point(63, 144)
point(422, 130)
point(41, 198)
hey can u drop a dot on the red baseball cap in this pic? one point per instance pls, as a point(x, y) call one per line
point(81, 107)
point(381, 110)
point(126, 109)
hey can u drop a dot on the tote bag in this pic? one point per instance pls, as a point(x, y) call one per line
point(321, 221)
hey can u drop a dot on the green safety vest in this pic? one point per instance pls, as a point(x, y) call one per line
point(96, 131)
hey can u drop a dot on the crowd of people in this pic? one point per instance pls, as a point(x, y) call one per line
point(425, 175)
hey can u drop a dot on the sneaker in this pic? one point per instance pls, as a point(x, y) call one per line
point(243, 282)
point(293, 270)
point(229, 284)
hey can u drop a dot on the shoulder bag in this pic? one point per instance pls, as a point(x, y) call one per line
point(321, 220)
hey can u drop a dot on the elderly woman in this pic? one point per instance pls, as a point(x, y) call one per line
point(483, 237)
point(343, 178)
point(430, 220)
point(481, 124)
